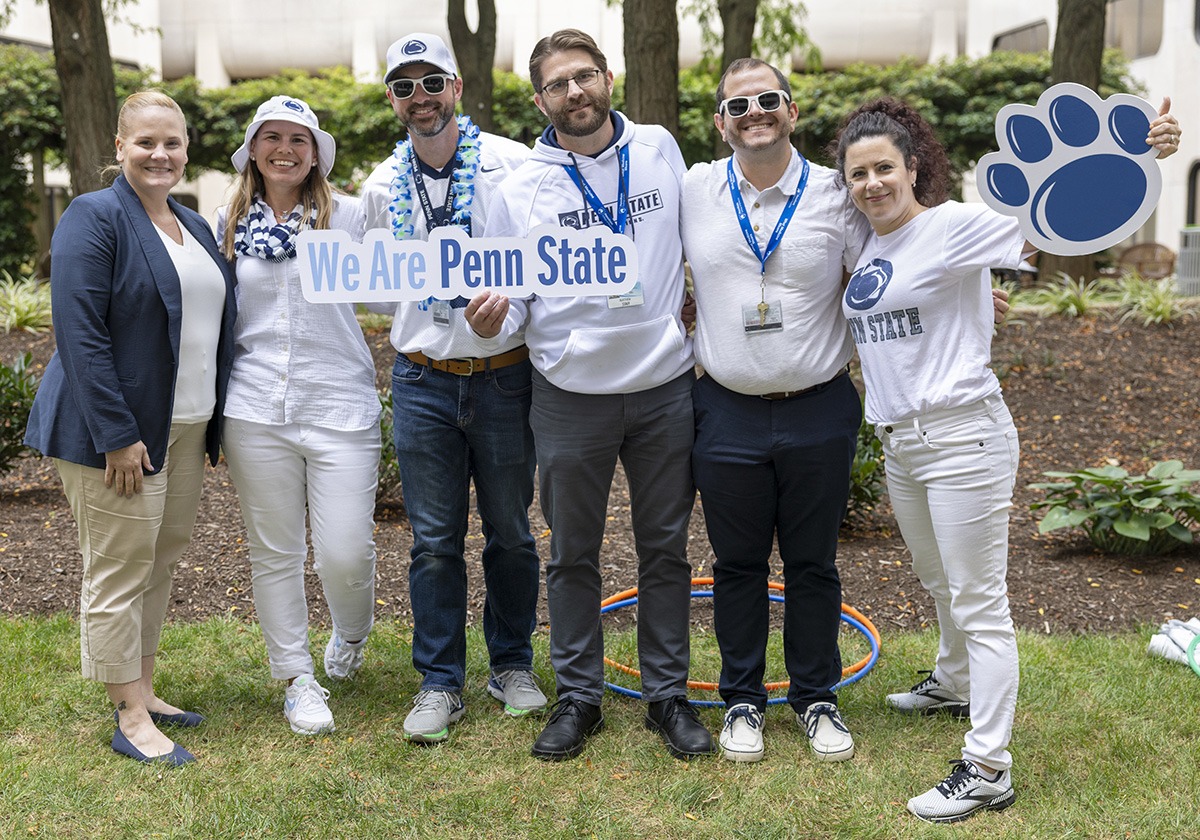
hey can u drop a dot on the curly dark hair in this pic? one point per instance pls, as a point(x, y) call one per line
point(912, 136)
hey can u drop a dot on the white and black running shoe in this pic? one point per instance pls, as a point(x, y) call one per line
point(962, 793)
point(929, 697)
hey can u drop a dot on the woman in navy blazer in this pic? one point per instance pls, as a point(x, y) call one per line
point(132, 400)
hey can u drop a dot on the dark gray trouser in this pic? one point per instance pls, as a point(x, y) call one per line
point(578, 438)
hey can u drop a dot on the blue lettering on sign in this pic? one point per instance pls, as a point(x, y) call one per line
point(322, 258)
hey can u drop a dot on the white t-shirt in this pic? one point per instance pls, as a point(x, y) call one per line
point(804, 276)
point(920, 309)
point(202, 291)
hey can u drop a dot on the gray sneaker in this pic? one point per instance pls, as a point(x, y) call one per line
point(929, 697)
point(431, 716)
point(343, 659)
point(518, 691)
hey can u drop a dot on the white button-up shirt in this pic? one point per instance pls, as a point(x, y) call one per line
point(295, 361)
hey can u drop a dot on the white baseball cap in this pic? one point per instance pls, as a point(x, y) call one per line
point(420, 48)
point(288, 109)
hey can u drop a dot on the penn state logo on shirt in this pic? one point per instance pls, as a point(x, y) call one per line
point(414, 48)
point(867, 284)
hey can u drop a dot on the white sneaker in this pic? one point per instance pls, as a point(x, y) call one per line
point(431, 716)
point(742, 734)
point(827, 733)
point(343, 659)
point(305, 708)
point(518, 691)
point(962, 793)
point(929, 697)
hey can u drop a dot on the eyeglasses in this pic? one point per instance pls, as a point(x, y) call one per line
point(739, 106)
point(585, 80)
point(433, 84)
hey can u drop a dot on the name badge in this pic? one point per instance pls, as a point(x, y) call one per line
point(757, 320)
point(631, 298)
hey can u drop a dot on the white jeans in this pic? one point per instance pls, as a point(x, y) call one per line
point(278, 470)
point(950, 477)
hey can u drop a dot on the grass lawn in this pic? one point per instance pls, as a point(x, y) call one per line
point(1107, 745)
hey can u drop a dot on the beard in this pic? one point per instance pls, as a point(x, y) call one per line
point(441, 119)
point(582, 126)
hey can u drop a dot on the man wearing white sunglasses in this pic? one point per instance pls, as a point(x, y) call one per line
point(460, 403)
point(768, 235)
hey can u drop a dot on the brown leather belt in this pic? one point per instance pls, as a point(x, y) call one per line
point(783, 395)
point(466, 367)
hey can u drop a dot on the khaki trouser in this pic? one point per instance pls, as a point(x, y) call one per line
point(130, 547)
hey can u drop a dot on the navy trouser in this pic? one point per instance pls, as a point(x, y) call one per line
point(768, 468)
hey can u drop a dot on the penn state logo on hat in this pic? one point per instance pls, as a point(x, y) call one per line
point(422, 48)
point(287, 109)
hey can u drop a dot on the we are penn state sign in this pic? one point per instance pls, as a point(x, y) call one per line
point(550, 262)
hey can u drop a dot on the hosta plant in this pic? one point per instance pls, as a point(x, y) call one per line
point(1121, 513)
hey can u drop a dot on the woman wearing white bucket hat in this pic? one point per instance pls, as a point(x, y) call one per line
point(302, 417)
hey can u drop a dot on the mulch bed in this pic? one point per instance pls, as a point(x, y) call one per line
point(1084, 392)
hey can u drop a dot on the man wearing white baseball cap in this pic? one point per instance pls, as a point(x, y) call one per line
point(461, 403)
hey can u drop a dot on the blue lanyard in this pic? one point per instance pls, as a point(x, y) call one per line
point(739, 207)
point(433, 218)
point(622, 192)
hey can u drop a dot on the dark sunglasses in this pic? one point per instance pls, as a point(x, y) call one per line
point(739, 106)
point(433, 84)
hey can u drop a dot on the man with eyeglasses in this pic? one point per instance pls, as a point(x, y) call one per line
point(768, 236)
point(612, 380)
point(460, 403)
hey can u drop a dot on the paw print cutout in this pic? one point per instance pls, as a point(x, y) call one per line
point(1074, 169)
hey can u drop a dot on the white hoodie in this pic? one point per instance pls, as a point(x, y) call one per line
point(581, 344)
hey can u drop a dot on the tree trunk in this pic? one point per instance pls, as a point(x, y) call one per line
point(476, 53)
point(1078, 54)
point(737, 29)
point(89, 98)
point(652, 62)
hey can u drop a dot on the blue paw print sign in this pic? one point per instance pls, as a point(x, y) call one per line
point(1074, 169)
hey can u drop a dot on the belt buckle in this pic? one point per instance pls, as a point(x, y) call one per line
point(470, 363)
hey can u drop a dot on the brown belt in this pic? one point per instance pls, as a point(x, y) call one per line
point(783, 395)
point(466, 367)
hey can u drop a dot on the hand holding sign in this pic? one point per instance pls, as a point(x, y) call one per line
point(1075, 170)
point(550, 262)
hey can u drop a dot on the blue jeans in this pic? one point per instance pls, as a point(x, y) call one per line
point(450, 430)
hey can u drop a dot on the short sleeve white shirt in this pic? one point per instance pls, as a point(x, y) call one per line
point(803, 276)
point(920, 309)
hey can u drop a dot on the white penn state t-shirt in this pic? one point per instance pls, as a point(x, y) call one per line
point(920, 309)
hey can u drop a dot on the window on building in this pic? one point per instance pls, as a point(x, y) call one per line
point(1134, 26)
point(1034, 37)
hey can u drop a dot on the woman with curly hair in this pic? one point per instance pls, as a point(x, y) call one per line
point(920, 309)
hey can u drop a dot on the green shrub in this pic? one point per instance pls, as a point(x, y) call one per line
point(24, 304)
point(866, 476)
point(18, 384)
point(1151, 301)
point(1073, 298)
point(388, 494)
point(1153, 513)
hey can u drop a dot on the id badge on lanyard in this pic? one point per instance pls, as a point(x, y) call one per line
point(634, 296)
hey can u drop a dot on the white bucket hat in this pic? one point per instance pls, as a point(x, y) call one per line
point(420, 48)
point(288, 109)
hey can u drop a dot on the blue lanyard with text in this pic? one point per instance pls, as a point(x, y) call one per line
point(739, 207)
point(593, 200)
point(432, 219)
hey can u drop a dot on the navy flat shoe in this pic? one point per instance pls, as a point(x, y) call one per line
point(176, 757)
point(185, 719)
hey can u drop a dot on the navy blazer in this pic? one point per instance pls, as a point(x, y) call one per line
point(117, 311)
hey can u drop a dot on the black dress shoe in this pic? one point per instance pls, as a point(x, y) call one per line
point(675, 719)
point(571, 722)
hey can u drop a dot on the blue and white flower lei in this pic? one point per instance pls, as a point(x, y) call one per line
point(462, 183)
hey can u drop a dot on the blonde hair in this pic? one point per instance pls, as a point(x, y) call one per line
point(314, 192)
point(134, 104)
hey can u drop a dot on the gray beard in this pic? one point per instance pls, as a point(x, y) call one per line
point(444, 119)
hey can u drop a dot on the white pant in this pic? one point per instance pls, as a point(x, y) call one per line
point(277, 471)
point(950, 477)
